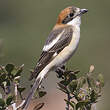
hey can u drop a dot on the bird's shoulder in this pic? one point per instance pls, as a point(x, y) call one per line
point(56, 31)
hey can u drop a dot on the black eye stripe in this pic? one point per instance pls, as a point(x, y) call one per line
point(71, 14)
point(68, 18)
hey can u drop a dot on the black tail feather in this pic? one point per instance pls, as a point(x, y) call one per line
point(31, 93)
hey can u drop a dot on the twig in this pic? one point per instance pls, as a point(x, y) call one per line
point(21, 96)
point(14, 106)
point(16, 91)
point(21, 104)
point(68, 98)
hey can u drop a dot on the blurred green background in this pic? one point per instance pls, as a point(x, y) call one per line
point(25, 25)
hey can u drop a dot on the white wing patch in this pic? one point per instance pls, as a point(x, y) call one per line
point(51, 44)
point(55, 54)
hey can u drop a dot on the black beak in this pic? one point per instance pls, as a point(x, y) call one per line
point(82, 11)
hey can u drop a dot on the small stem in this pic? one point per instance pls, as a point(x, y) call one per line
point(21, 96)
point(68, 98)
point(19, 106)
point(14, 106)
point(16, 92)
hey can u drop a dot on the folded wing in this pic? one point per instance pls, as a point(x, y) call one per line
point(57, 40)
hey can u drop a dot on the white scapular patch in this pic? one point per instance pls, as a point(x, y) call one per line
point(51, 44)
point(55, 54)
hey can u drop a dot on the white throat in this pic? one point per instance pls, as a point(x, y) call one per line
point(75, 22)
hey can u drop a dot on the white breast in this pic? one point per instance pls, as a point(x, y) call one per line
point(75, 39)
point(76, 35)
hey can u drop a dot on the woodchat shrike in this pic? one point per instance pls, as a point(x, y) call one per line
point(59, 47)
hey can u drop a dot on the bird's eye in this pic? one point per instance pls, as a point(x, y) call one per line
point(71, 14)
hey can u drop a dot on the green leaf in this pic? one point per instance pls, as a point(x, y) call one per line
point(2, 103)
point(65, 83)
point(13, 72)
point(93, 96)
point(2, 77)
point(63, 90)
point(9, 68)
point(42, 93)
point(9, 100)
point(70, 103)
point(8, 82)
point(101, 80)
point(21, 89)
point(19, 71)
point(72, 85)
point(0, 96)
point(2, 69)
point(62, 87)
point(36, 94)
point(81, 104)
point(91, 82)
point(76, 71)
point(72, 76)
point(81, 82)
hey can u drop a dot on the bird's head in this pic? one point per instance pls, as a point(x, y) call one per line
point(70, 15)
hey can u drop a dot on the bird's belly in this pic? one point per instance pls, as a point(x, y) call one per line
point(67, 52)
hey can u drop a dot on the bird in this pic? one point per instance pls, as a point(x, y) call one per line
point(59, 47)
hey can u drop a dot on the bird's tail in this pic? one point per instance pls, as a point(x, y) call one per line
point(37, 82)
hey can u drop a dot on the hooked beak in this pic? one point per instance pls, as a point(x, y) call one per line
point(82, 11)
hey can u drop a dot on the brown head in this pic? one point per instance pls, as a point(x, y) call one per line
point(69, 13)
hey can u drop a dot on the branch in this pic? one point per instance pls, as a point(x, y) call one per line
point(82, 92)
point(68, 98)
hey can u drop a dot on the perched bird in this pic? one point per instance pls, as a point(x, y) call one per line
point(59, 47)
